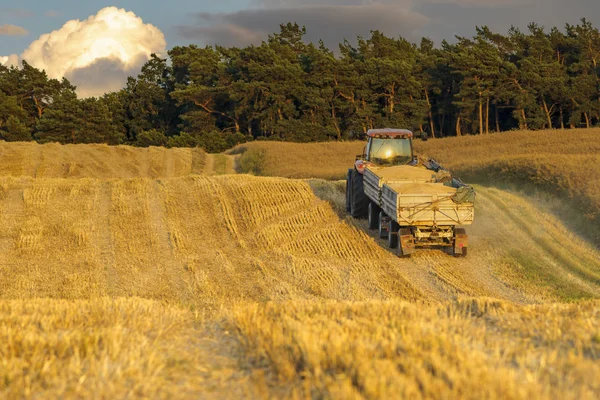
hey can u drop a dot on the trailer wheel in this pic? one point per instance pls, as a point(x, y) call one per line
point(382, 231)
point(461, 242)
point(393, 234)
point(406, 249)
point(373, 215)
point(349, 191)
point(359, 201)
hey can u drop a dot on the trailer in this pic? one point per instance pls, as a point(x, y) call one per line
point(414, 204)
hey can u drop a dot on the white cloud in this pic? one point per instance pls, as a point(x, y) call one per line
point(9, 61)
point(97, 54)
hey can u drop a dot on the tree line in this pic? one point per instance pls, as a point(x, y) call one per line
point(287, 89)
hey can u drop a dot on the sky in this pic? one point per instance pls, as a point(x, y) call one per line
point(97, 44)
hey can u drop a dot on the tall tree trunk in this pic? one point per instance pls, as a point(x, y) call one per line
point(497, 114)
point(480, 114)
point(523, 123)
point(562, 121)
point(487, 116)
point(587, 119)
point(548, 116)
point(392, 97)
point(335, 123)
point(458, 132)
point(430, 114)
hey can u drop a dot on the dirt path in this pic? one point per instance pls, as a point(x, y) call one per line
point(231, 166)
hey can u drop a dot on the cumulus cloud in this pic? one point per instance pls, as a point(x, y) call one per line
point(9, 61)
point(331, 22)
point(97, 54)
point(12, 30)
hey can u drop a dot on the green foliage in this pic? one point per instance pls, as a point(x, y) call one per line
point(182, 140)
point(151, 137)
point(15, 131)
point(290, 90)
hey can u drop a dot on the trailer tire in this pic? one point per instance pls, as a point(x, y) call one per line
point(382, 232)
point(399, 252)
point(373, 215)
point(393, 236)
point(349, 191)
point(359, 201)
point(462, 250)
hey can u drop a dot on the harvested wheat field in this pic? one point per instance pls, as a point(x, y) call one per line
point(561, 163)
point(53, 160)
point(235, 286)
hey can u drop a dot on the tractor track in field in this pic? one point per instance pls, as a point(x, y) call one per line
point(506, 225)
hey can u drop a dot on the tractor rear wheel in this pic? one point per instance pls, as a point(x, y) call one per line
point(359, 201)
point(349, 191)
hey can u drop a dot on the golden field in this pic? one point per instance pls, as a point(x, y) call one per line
point(128, 281)
point(559, 162)
point(54, 160)
point(470, 349)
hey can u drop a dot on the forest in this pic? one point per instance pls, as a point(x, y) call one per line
point(286, 89)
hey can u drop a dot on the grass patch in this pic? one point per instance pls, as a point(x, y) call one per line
point(529, 272)
point(252, 161)
point(220, 164)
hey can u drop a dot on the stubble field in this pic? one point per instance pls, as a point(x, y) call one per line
point(151, 275)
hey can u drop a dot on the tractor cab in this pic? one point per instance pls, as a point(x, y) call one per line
point(386, 147)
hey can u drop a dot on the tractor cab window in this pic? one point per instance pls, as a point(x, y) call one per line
point(390, 151)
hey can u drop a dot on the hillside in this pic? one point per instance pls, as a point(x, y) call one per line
point(213, 286)
point(560, 163)
point(53, 160)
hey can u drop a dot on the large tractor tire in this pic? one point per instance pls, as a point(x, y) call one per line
point(349, 191)
point(373, 215)
point(359, 202)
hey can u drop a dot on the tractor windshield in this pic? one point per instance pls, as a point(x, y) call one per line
point(390, 151)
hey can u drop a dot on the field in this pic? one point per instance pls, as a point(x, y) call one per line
point(559, 163)
point(146, 273)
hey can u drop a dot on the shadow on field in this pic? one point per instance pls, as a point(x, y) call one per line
point(574, 213)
